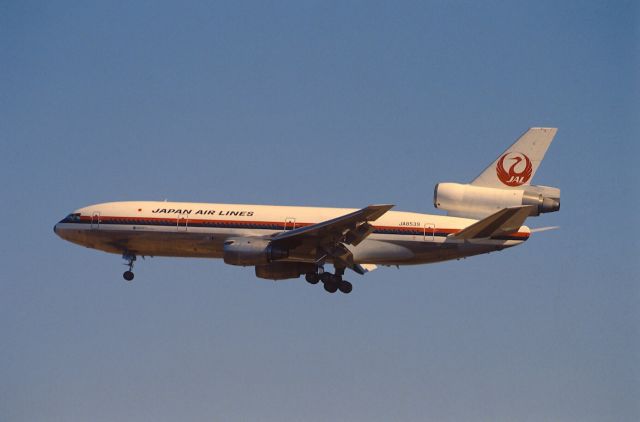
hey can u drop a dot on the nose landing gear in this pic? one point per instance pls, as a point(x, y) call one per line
point(128, 275)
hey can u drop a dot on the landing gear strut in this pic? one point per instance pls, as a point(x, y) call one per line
point(128, 275)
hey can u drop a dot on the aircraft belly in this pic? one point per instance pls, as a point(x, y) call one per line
point(409, 252)
point(194, 245)
point(380, 252)
point(150, 243)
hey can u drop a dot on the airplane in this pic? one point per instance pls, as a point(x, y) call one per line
point(286, 242)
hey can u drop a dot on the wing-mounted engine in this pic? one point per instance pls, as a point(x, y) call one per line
point(252, 251)
point(463, 200)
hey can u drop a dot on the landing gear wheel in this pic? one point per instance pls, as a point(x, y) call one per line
point(331, 287)
point(326, 277)
point(312, 278)
point(128, 275)
point(345, 287)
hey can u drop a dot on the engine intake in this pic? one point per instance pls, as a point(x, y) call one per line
point(251, 251)
point(471, 201)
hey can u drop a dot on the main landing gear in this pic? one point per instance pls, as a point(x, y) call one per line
point(128, 275)
point(332, 282)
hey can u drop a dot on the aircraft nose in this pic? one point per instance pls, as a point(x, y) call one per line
point(57, 228)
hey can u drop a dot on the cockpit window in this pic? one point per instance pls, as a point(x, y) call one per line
point(73, 217)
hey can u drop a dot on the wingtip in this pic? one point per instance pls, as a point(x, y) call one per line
point(378, 210)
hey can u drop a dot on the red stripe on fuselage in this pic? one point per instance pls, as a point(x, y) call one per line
point(521, 235)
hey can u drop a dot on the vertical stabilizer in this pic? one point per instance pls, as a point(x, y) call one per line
point(518, 164)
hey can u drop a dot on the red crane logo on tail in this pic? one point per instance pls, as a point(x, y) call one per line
point(519, 171)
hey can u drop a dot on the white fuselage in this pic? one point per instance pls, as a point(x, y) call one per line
point(185, 229)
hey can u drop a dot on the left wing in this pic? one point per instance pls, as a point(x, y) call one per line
point(330, 237)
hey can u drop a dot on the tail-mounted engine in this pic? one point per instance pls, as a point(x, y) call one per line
point(505, 182)
point(462, 200)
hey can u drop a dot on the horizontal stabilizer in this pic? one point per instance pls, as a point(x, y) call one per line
point(507, 220)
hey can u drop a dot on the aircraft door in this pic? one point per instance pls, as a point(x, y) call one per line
point(289, 223)
point(182, 222)
point(95, 220)
point(429, 230)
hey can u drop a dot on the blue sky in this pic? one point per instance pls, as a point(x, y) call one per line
point(330, 104)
